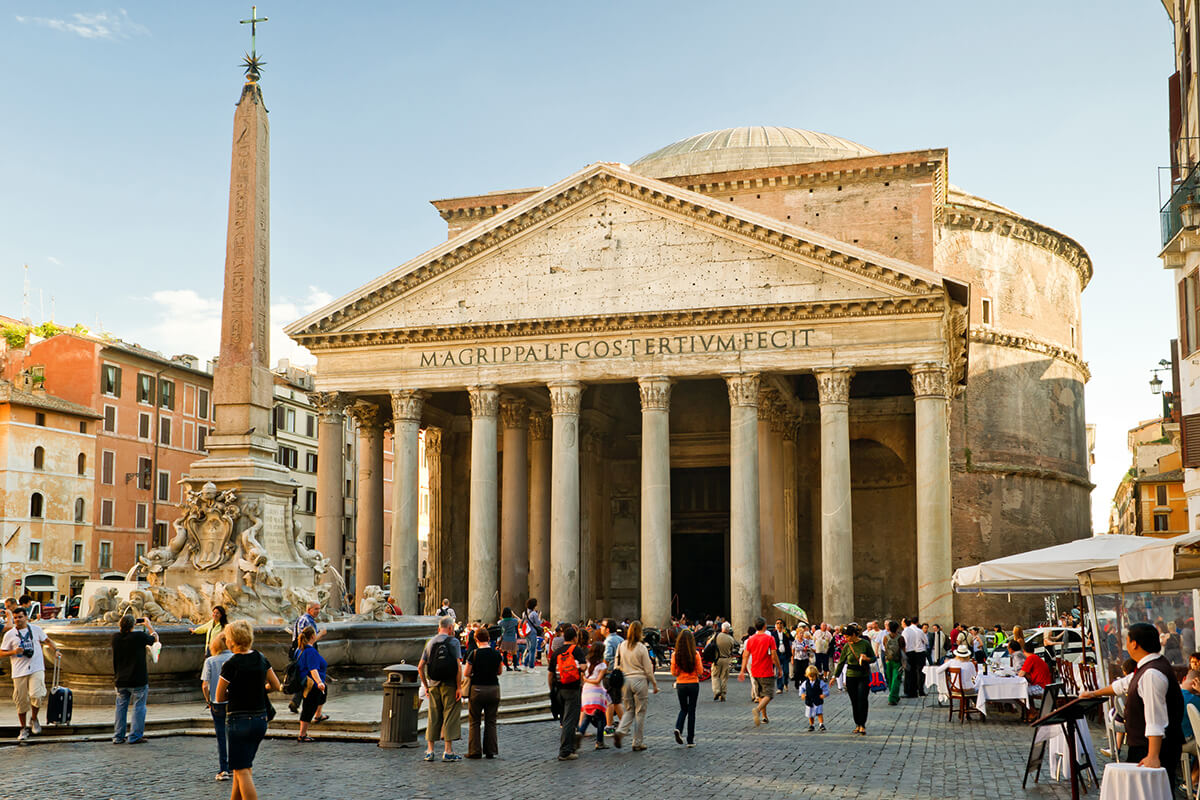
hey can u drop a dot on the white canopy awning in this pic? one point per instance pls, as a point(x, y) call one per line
point(1157, 562)
point(1049, 570)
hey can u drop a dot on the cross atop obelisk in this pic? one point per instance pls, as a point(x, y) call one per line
point(251, 62)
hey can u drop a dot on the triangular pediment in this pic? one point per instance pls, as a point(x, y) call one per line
point(609, 242)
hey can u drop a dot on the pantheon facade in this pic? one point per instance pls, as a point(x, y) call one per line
point(757, 365)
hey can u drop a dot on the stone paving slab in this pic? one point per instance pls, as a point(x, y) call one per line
point(911, 752)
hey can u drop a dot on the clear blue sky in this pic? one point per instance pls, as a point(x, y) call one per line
point(115, 138)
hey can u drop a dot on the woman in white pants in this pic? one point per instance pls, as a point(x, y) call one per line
point(633, 659)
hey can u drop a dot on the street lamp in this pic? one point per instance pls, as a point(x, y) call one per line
point(1156, 385)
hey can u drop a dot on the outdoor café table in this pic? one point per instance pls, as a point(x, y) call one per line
point(994, 689)
point(1131, 782)
point(1056, 747)
point(935, 678)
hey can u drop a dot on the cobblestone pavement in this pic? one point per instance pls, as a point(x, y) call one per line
point(910, 752)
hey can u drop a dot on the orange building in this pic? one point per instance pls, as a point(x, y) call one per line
point(155, 416)
point(1150, 500)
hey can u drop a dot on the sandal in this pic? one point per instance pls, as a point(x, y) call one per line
point(305, 739)
point(321, 718)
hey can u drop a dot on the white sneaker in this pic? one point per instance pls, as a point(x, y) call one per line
point(1104, 751)
point(36, 727)
point(23, 736)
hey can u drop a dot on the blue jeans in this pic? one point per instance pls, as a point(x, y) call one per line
point(244, 734)
point(138, 694)
point(218, 715)
point(531, 653)
point(782, 680)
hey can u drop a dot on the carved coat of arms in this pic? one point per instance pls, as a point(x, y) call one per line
point(208, 519)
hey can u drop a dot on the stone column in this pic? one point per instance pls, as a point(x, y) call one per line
point(745, 581)
point(656, 500)
point(935, 601)
point(539, 508)
point(514, 507)
point(768, 503)
point(837, 533)
point(483, 573)
point(437, 534)
point(368, 531)
point(331, 461)
point(407, 405)
point(564, 501)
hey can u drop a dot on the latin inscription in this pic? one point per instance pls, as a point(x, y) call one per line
point(624, 347)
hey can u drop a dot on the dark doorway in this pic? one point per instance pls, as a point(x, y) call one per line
point(700, 542)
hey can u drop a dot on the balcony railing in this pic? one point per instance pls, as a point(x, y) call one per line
point(1186, 191)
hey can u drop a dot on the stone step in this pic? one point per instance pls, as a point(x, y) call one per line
point(514, 709)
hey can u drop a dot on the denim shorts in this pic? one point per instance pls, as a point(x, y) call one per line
point(243, 735)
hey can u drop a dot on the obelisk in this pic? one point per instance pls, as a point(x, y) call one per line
point(243, 392)
point(241, 451)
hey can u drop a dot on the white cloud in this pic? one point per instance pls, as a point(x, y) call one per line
point(186, 322)
point(54, 261)
point(100, 25)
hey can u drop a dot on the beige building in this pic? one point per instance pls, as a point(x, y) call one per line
point(47, 474)
point(1150, 499)
point(1180, 222)
point(760, 364)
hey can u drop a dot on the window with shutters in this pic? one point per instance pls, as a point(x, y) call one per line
point(143, 426)
point(202, 404)
point(107, 467)
point(1162, 522)
point(110, 419)
point(145, 468)
point(106, 512)
point(105, 559)
point(1189, 427)
point(166, 394)
point(110, 380)
point(140, 517)
point(164, 431)
point(164, 486)
point(145, 388)
point(1160, 494)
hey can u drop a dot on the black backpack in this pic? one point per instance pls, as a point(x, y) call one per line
point(292, 679)
point(710, 651)
point(443, 665)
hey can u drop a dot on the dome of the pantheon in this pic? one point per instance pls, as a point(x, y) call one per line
point(745, 148)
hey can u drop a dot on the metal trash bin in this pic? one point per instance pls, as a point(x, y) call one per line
point(401, 701)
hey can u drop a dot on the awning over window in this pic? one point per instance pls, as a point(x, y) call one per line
point(39, 582)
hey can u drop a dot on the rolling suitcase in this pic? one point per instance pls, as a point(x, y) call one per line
point(58, 703)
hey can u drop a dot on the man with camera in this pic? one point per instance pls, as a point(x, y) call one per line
point(131, 676)
point(22, 643)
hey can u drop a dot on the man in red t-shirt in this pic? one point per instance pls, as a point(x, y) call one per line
point(1035, 670)
point(759, 654)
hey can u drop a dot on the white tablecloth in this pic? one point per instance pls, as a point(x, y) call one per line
point(1131, 782)
point(1055, 738)
point(935, 679)
point(994, 689)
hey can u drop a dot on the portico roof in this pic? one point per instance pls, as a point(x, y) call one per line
point(882, 276)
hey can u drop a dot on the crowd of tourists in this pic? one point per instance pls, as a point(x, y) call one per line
point(601, 673)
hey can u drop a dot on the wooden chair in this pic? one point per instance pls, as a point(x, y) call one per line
point(962, 696)
point(1066, 674)
point(1087, 677)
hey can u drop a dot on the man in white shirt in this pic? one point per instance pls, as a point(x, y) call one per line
point(22, 643)
point(1153, 703)
point(822, 639)
point(915, 646)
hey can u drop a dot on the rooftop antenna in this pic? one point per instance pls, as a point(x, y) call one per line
point(25, 300)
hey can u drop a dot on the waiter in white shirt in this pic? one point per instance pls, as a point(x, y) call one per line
point(916, 646)
point(1153, 703)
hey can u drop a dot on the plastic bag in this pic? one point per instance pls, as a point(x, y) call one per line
point(155, 649)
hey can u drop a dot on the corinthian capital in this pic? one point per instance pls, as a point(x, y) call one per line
point(768, 399)
point(485, 400)
point(565, 397)
point(368, 416)
point(930, 380)
point(539, 425)
point(433, 442)
point(407, 404)
point(743, 389)
point(514, 412)
point(655, 393)
point(329, 405)
point(833, 385)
